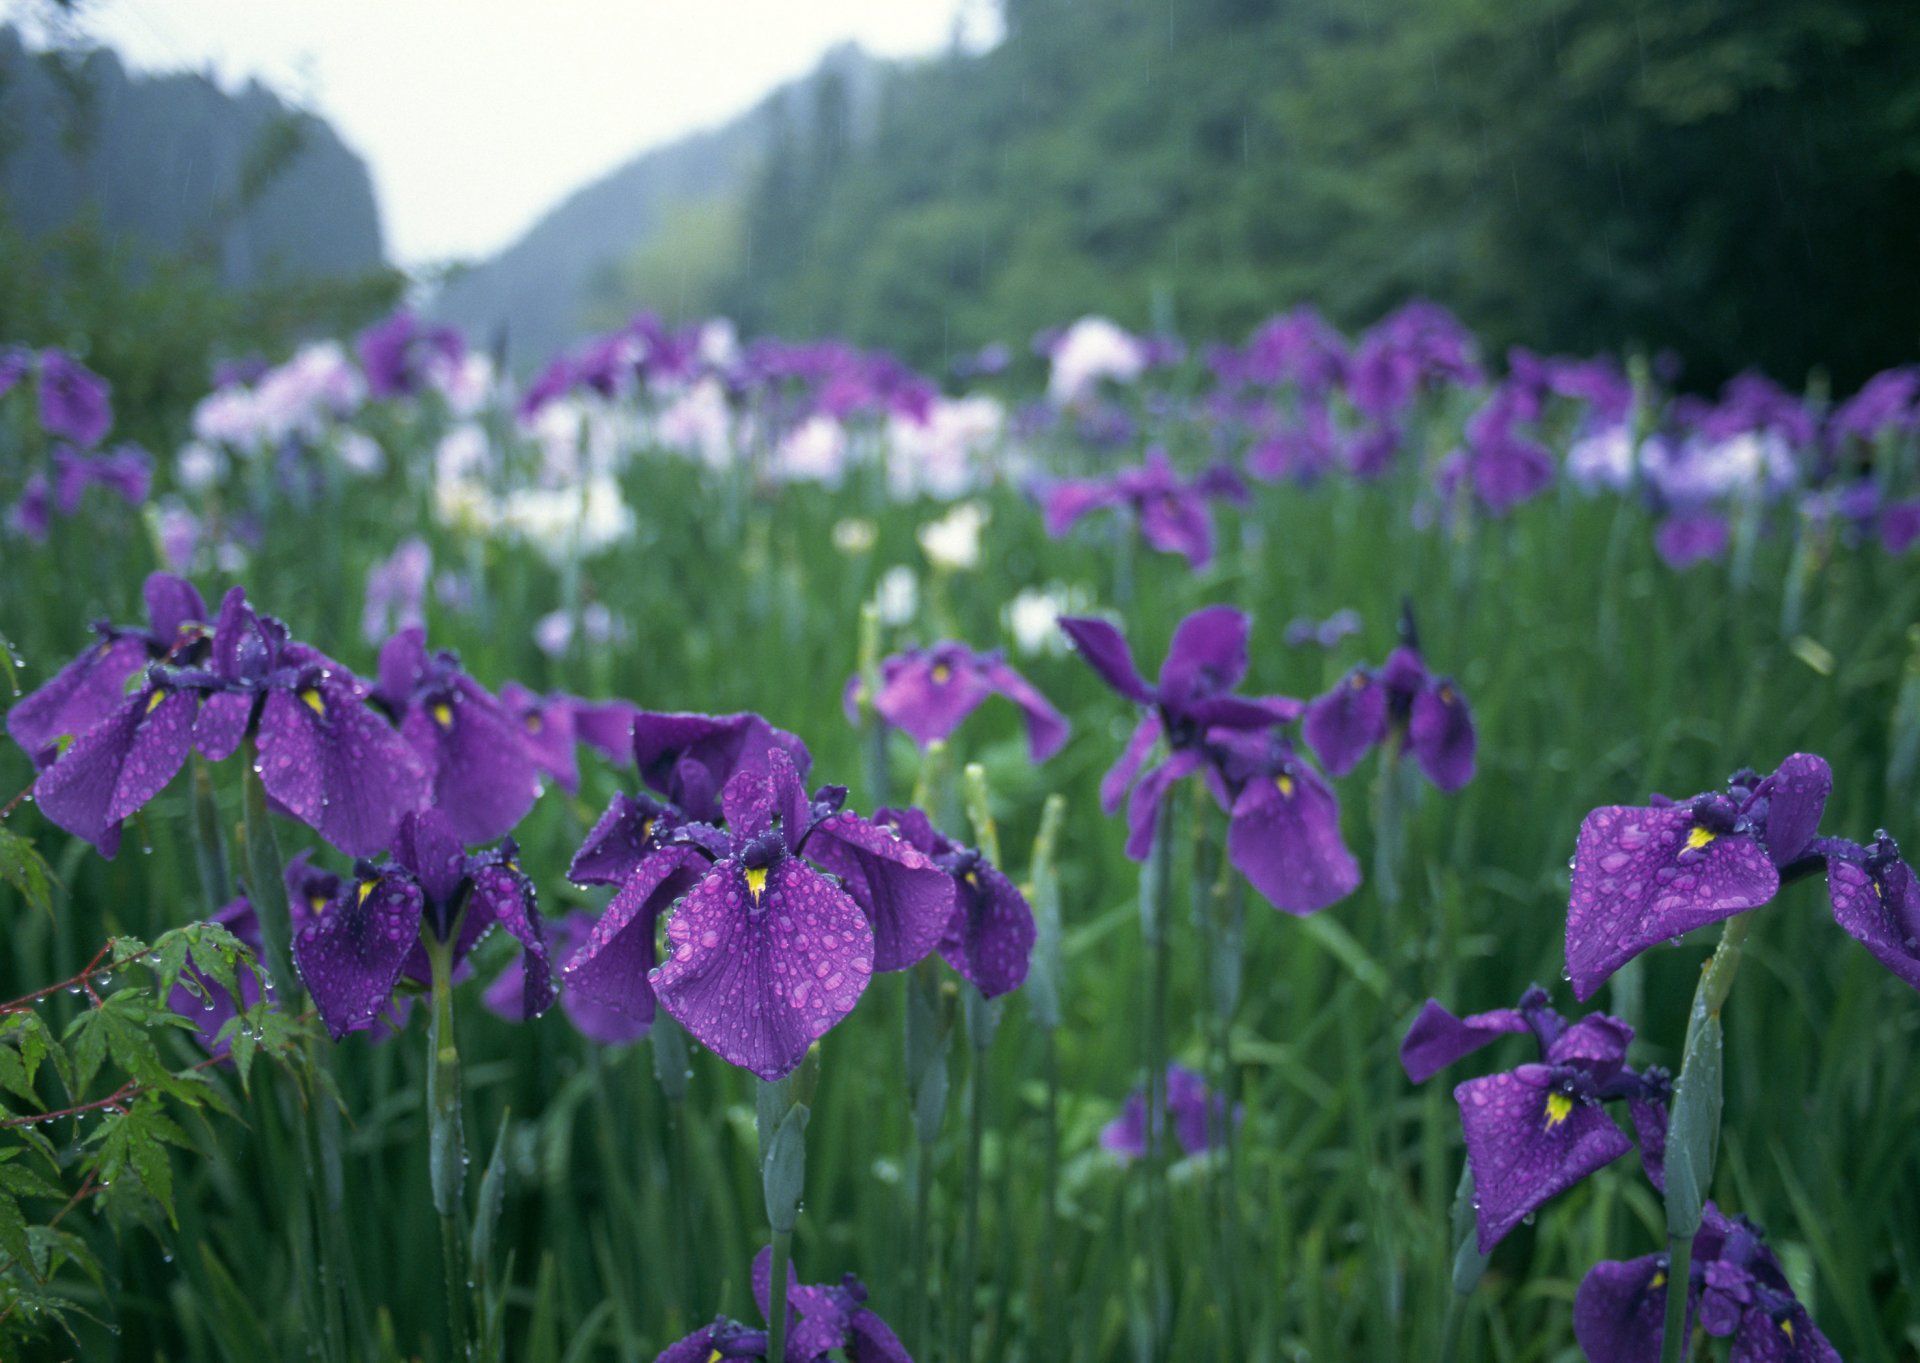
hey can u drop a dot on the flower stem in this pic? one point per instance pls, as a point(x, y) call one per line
point(446, 1141)
point(266, 875)
point(983, 1019)
point(669, 1045)
point(210, 850)
point(1155, 883)
point(929, 1023)
point(1694, 1131)
point(1218, 909)
point(777, 1296)
point(1468, 1266)
point(782, 1107)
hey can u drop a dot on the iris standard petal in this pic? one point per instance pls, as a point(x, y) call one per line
point(80, 695)
point(1619, 1310)
point(1284, 837)
point(483, 777)
point(990, 934)
point(611, 970)
point(1208, 656)
point(1796, 799)
point(350, 957)
point(1440, 732)
point(333, 763)
point(118, 765)
point(1437, 1038)
point(1105, 650)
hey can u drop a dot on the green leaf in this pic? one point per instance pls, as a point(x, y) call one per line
point(130, 1141)
point(13, 1232)
point(26, 870)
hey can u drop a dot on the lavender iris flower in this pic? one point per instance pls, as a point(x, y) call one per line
point(506, 996)
point(1689, 537)
point(928, 692)
point(989, 937)
point(1535, 1131)
point(1736, 1290)
point(1401, 700)
point(400, 354)
point(1199, 1117)
point(397, 591)
point(483, 776)
point(1304, 631)
point(353, 955)
point(209, 1006)
point(1173, 513)
point(822, 1322)
point(32, 515)
point(1283, 829)
point(73, 399)
point(1642, 876)
point(127, 471)
point(1498, 464)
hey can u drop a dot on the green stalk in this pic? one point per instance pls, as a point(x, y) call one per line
point(928, 1027)
point(782, 1107)
point(1694, 1131)
point(1468, 1266)
point(1043, 1010)
point(266, 875)
point(446, 1142)
point(669, 1045)
point(1156, 878)
point(209, 848)
point(982, 1021)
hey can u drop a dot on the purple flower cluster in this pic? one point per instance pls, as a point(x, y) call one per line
point(1283, 831)
point(1172, 512)
point(780, 906)
point(929, 692)
point(1535, 1131)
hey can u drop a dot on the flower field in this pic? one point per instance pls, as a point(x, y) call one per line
point(1139, 850)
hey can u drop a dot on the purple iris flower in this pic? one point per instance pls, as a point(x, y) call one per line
point(397, 591)
point(989, 937)
point(1900, 526)
point(32, 515)
point(1887, 402)
point(353, 954)
point(16, 362)
point(689, 758)
point(1736, 1290)
point(1421, 345)
point(400, 355)
point(765, 952)
point(209, 1006)
point(506, 996)
point(1304, 631)
point(1876, 899)
point(1498, 464)
point(73, 399)
point(606, 727)
point(822, 1322)
point(1535, 1131)
point(547, 730)
point(1642, 876)
point(94, 685)
point(1199, 1117)
point(1690, 537)
point(1401, 699)
point(1302, 449)
point(928, 692)
point(1173, 513)
point(128, 471)
point(1283, 830)
point(483, 777)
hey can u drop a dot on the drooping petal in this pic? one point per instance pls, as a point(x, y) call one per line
point(1113, 786)
point(606, 727)
point(1067, 502)
point(625, 834)
point(1106, 652)
point(989, 937)
point(1440, 733)
point(1878, 904)
point(611, 970)
point(1438, 1038)
point(1208, 656)
point(757, 976)
point(1144, 804)
point(547, 729)
point(1178, 522)
point(1645, 876)
point(483, 777)
point(503, 895)
point(1284, 837)
point(350, 957)
point(1797, 798)
point(906, 898)
point(118, 765)
point(80, 695)
point(1528, 1141)
point(331, 762)
point(1619, 1311)
point(1343, 725)
point(872, 1340)
point(1650, 1134)
point(1047, 728)
point(224, 716)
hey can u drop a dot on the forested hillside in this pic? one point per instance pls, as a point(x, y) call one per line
point(1737, 180)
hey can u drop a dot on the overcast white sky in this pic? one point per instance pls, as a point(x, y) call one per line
point(477, 115)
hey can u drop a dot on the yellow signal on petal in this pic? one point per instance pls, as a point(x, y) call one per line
point(534, 725)
point(443, 715)
point(756, 881)
point(1786, 1328)
point(314, 702)
point(1659, 1278)
point(1699, 838)
point(153, 701)
point(1559, 1108)
point(1285, 783)
point(366, 888)
point(317, 902)
point(942, 674)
